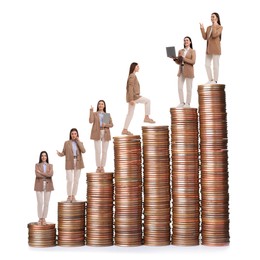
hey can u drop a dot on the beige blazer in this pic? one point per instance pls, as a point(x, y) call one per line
point(95, 131)
point(189, 60)
point(132, 88)
point(41, 175)
point(68, 153)
point(213, 41)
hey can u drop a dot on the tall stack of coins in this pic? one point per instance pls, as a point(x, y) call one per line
point(156, 177)
point(41, 235)
point(128, 190)
point(185, 177)
point(214, 165)
point(99, 230)
point(71, 223)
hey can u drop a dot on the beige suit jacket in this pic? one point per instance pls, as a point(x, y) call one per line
point(41, 175)
point(132, 88)
point(68, 153)
point(95, 131)
point(213, 39)
point(189, 60)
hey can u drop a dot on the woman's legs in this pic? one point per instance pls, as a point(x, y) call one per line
point(216, 66)
point(208, 61)
point(189, 90)
point(181, 80)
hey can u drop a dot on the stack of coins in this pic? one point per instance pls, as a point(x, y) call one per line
point(41, 235)
point(185, 177)
point(214, 165)
point(128, 190)
point(156, 179)
point(71, 223)
point(99, 230)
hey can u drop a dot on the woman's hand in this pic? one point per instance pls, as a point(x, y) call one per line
point(201, 26)
point(180, 59)
point(59, 153)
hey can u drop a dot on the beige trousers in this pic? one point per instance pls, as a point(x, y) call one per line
point(131, 109)
point(72, 177)
point(208, 62)
point(181, 81)
point(101, 157)
point(43, 199)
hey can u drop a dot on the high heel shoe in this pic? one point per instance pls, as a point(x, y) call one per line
point(73, 199)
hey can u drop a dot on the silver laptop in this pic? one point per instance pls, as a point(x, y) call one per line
point(170, 51)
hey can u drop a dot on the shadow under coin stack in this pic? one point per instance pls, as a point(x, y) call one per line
point(214, 165)
point(41, 235)
point(185, 177)
point(99, 209)
point(156, 178)
point(71, 223)
point(128, 191)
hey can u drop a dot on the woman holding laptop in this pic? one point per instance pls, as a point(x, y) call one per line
point(100, 133)
point(186, 59)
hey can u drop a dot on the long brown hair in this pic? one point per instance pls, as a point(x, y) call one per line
point(218, 21)
point(47, 159)
point(104, 109)
point(190, 41)
point(132, 67)
point(74, 130)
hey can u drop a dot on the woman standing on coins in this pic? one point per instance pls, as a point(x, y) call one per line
point(100, 133)
point(213, 51)
point(134, 97)
point(43, 186)
point(73, 150)
point(186, 59)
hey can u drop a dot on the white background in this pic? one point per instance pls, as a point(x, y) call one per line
point(57, 58)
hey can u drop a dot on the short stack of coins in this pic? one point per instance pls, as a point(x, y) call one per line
point(156, 179)
point(71, 223)
point(214, 165)
point(185, 177)
point(128, 190)
point(99, 230)
point(41, 235)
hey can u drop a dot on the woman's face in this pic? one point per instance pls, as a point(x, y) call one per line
point(186, 42)
point(101, 106)
point(136, 68)
point(44, 157)
point(214, 18)
point(74, 135)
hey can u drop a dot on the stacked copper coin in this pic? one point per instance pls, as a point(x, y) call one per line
point(185, 177)
point(128, 190)
point(71, 223)
point(156, 178)
point(41, 235)
point(100, 209)
point(214, 165)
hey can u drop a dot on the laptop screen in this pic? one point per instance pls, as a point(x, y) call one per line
point(170, 51)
